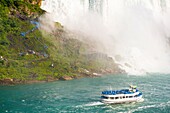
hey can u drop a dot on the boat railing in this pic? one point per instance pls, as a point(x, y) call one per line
point(114, 92)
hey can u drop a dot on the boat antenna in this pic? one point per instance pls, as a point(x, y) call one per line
point(110, 88)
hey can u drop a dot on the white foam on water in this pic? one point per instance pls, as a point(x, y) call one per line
point(91, 104)
point(141, 108)
point(94, 104)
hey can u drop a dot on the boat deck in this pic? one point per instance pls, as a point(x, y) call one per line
point(115, 92)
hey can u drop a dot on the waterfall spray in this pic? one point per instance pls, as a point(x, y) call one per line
point(135, 33)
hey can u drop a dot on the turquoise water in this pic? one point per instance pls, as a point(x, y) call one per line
point(83, 95)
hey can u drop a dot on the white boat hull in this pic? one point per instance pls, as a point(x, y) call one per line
point(125, 100)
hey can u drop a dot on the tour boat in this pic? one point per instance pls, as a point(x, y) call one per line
point(121, 96)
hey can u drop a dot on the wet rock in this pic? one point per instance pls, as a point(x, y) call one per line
point(6, 81)
point(66, 78)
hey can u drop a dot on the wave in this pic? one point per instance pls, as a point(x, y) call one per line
point(141, 108)
point(94, 104)
point(91, 104)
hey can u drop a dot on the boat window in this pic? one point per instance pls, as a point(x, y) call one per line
point(116, 97)
point(120, 97)
point(104, 97)
point(130, 96)
point(123, 96)
point(111, 97)
point(127, 97)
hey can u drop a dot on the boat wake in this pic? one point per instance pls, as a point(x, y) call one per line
point(94, 104)
point(91, 104)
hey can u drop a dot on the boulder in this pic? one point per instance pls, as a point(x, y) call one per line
point(66, 78)
point(6, 81)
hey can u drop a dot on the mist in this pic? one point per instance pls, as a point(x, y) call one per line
point(135, 33)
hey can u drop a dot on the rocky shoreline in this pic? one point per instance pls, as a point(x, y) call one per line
point(10, 81)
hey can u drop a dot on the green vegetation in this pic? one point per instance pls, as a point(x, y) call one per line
point(15, 61)
point(36, 56)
